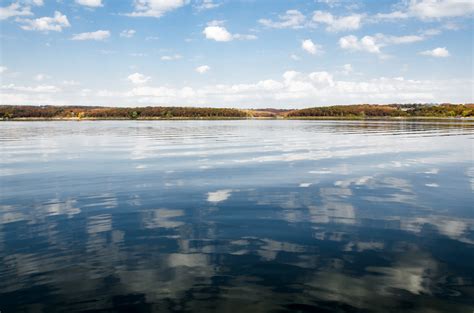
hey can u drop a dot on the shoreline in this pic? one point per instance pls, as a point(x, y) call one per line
point(313, 118)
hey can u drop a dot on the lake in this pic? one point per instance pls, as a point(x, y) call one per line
point(237, 216)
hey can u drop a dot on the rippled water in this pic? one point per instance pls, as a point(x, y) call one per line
point(241, 216)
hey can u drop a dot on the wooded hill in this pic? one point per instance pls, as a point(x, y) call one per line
point(337, 111)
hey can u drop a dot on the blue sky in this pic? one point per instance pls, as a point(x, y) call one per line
point(239, 53)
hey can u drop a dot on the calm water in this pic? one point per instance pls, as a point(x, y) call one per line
point(236, 216)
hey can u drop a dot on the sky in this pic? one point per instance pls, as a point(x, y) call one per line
point(235, 53)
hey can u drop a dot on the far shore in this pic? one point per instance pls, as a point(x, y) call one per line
point(458, 112)
point(321, 118)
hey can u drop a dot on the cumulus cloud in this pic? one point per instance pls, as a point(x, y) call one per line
point(366, 43)
point(336, 24)
point(301, 89)
point(155, 8)
point(202, 69)
point(291, 19)
point(14, 9)
point(45, 24)
point(215, 31)
point(128, 33)
point(437, 53)
point(3, 69)
point(138, 79)
point(293, 89)
point(309, 46)
point(97, 35)
point(90, 3)
point(431, 9)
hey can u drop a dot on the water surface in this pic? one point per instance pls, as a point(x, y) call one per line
point(236, 216)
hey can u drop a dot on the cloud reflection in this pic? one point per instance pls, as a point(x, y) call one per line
point(219, 195)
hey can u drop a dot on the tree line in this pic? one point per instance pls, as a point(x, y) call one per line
point(391, 110)
point(52, 112)
point(338, 111)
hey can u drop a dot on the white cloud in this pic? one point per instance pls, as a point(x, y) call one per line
point(3, 69)
point(90, 3)
point(391, 15)
point(373, 44)
point(244, 37)
point(321, 79)
point(431, 9)
point(309, 46)
point(426, 9)
point(155, 8)
point(300, 89)
point(36, 2)
point(335, 24)
point(171, 57)
point(291, 19)
point(128, 33)
point(45, 24)
point(202, 69)
point(97, 35)
point(215, 31)
point(14, 9)
point(138, 79)
point(401, 39)
point(206, 5)
point(330, 3)
point(366, 43)
point(293, 89)
point(437, 53)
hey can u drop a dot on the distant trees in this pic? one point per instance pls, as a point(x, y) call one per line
point(339, 111)
point(392, 110)
point(49, 112)
point(364, 110)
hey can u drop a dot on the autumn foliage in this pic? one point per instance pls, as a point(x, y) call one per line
point(337, 111)
point(392, 110)
point(50, 112)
